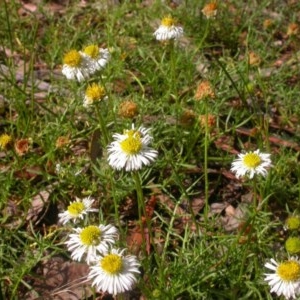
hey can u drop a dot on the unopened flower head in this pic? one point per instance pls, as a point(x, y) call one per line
point(251, 163)
point(188, 117)
point(128, 109)
point(168, 30)
point(210, 10)
point(77, 210)
point(62, 141)
point(97, 58)
point(292, 245)
point(115, 273)
point(75, 66)
point(254, 59)
point(94, 93)
point(91, 241)
point(268, 23)
point(211, 121)
point(204, 91)
point(292, 223)
point(5, 141)
point(22, 146)
point(285, 279)
point(130, 150)
point(293, 29)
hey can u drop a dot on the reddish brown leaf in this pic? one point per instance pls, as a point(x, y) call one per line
point(28, 173)
point(136, 240)
point(61, 280)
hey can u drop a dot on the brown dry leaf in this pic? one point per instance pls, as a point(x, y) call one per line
point(225, 143)
point(28, 173)
point(170, 205)
point(234, 217)
point(57, 7)
point(272, 139)
point(39, 203)
point(217, 208)
point(135, 239)
point(228, 174)
point(12, 214)
point(150, 206)
point(183, 216)
point(96, 150)
point(280, 142)
point(196, 204)
point(27, 9)
point(61, 280)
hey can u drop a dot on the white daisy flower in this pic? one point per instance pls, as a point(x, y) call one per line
point(286, 277)
point(114, 273)
point(90, 241)
point(252, 163)
point(168, 30)
point(94, 93)
point(75, 66)
point(97, 57)
point(77, 210)
point(130, 150)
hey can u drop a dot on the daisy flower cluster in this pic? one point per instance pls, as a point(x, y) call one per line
point(111, 270)
point(80, 65)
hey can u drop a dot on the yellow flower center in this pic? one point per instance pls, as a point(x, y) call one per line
point(72, 58)
point(132, 144)
point(95, 92)
point(289, 270)
point(75, 208)
point(168, 21)
point(92, 51)
point(90, 235)
point(5, 139)
point(252, 160)
point(112, 264)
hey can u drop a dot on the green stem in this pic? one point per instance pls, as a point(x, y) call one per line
point(254, 194)
point(142, 210)
point(203, 36)
point(206, 183)
point(102, 125)
point(173, 81)
point(116, 204)
point(140, 195)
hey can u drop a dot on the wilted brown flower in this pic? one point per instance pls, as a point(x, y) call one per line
point(22, 146)
point(62, 141)
point(188, 117)
point(211, 121)
point(268, 23)
point(5, 141)
point(128, 109)
point(210, 10)
point(204, 90)
point(293, 29)
point(254, 59)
